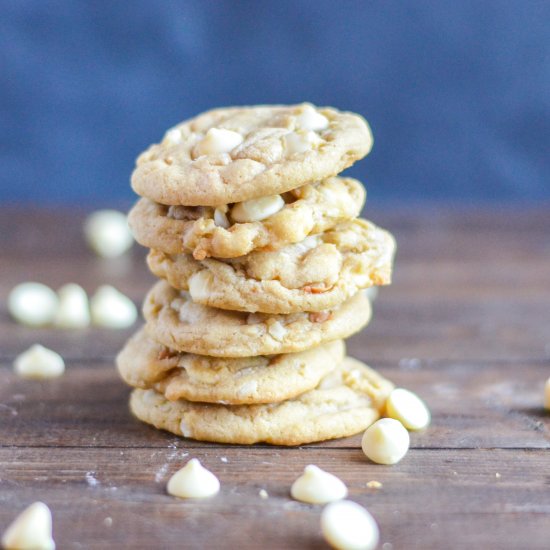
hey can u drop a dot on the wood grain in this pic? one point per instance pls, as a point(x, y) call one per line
point(466, 325)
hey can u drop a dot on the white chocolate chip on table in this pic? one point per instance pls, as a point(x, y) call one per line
point(31, 530)
point(193, 481)
point(386, 441)
point(107, 233)
point(112, 309)
point(33, 304)
point(348, 526)
point(408, 408)
point(73, 310)
point(39, 363)
point(316, 486)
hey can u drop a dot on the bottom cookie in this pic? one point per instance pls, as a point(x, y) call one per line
point(345, 402)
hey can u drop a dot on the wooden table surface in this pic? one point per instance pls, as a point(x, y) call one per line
point(466, 325)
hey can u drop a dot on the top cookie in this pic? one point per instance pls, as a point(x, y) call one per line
point(240, 153)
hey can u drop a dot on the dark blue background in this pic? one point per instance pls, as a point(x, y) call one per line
point(457, 92)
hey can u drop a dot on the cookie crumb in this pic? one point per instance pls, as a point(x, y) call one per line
point(374, 484)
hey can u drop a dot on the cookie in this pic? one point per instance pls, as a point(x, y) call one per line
point(177, 322)
point(346, 402)
point(205, 231)
point(235, 154)
point(143, 363)
point(314, 275)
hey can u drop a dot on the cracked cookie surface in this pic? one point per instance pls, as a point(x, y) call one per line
point(307, 210)
point(177, 322)
point(235, 154)
point(143, 363)
point(345, 402)
point(316, 274)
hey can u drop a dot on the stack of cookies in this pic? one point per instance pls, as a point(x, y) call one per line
point(263, 263)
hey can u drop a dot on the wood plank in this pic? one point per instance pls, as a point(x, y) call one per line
point(473, 406)
point(432, 499)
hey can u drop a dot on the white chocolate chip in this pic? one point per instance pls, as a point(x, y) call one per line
point(301, 248)
point(220, 219)
point(256, 210)
point(547, 395)
point(30, 530)
point(408, 408)
point(311, 119)
point(172, 136)
point(112, 309)
point(193, 481)
point(33, 304)
point(200, 284)
point(300, 142)
point(39, 363)
point(107, 233)
point(316, 486)
point(348, 526)
point(249, 388)
point(185, 429)
point(371, 293)
point(73, 310)
point(218, 140)
point(386, 441)
point(277, 330)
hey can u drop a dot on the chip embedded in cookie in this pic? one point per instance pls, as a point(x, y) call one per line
point(233, 230)
point(346, 402)
point(314, 275)
point(236, 154)
point(174, 320)
point(143, 363)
